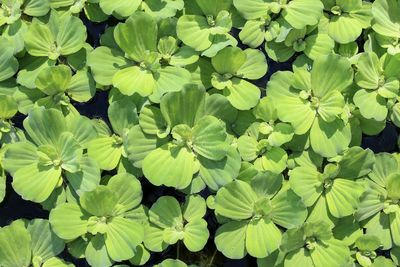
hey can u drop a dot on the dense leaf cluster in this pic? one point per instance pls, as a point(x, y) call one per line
point(280, 169)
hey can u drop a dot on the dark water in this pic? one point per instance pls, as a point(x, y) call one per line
point(14, 207)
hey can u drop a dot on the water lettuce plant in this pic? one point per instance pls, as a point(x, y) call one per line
point(313, 102)
point(189, 132)
point(169, 223)
point(103, 217)
point(181, 138)
point(40, 164)
point(30, 243)
point(253, 213)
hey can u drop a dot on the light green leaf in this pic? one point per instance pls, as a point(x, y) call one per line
point(104, 62)
point(300, 13)
point(242, 94)
point(371, 104)
point(36, 125)
point(8, 63)
point(137, 36)
point(106, 151)
point(235, 200)
point(195, 235)
point(329, 73)
point(262, 237)
point(99, 202)
point(209, 135)
point(385, 19)
point(307, 183)
point(45, 244)
point(330, 138)
point(255, 66)
point(120, 8)
point(54, 80)
point(165, 212)
point(184, 107)
point(291, 107)
point(87, 178)
point(15, 245)
point(343, 197)
point(122, 237)
point(96, 252)
point(194, 31)
point(368, 71)
point(36, 182)
point(229, 60)
point(128, 190)
point(170, 165)
point(134, 80)
point(68, 221)
point(218, 173)
point(230, 239)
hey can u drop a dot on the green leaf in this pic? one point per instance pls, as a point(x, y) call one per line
point(218, 173)
point(287, 209)
point(106, 151)
point(291, 108)
point(96, 252)
point(230, 239)
point(318, 45)
point(184, 107)
point(235, 200)
point(139, 144)
point(209, 135)
point(368, 71)
point(330, 138)
point(194, 208)
point(262, 237)
point(300, 13)
point(242, 94)
point(82, 86)
point(385, 20)
point(36, 125)
point(54, 80)
point(274, 160)
point(104, 62)
point(137, 36)
point(331, 106)
point(307, 183)
point(71, 35)
point(122, 237)
point(253, 33)
point(38, 40)
point(331, 252)
point(68, 221)
point(385, 165)
point(352, 27)
point(134, 80)
point(356, 162)
point(15, 245)
point(127, 189)
point(170, 165)
point(195, 235)
point(36, 182)
point(152, 122)
point(343, 197)
point(19, 155)
point(229, 60)
point(8, 63)
point(122, 115)
point(331, 72)
point(8, 107)
point(194, 31)
point(99, 202)
point(87, 178)
point(255, 66)
point(120, 8)
point(371, 104)
point(70, 152)
point(165, 212)
point(45, 244)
